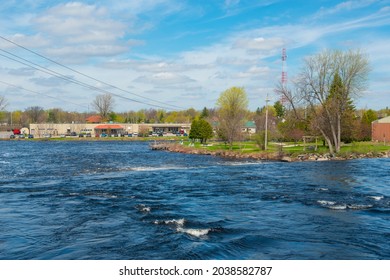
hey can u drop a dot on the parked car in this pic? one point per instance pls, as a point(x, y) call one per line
point(12, 136)
point(73, 134)
point(30, 136)
point(103, 135)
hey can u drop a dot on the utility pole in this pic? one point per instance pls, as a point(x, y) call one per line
point(266, 123)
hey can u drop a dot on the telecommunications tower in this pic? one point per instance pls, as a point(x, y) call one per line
point(284, 74)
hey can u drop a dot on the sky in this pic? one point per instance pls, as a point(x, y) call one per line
point(178, 54)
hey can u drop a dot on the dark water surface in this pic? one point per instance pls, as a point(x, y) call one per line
point(119, 200)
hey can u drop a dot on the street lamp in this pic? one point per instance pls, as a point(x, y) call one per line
point(266, 123)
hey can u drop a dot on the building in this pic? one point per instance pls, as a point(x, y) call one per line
point(249, 127)
point(97, 129)
point(380, 131)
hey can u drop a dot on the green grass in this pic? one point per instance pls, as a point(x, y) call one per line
point(294, 149)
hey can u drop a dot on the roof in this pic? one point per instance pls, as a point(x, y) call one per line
point(109, 126)
point(94, 119)
point(250, 124)
point(383, 120)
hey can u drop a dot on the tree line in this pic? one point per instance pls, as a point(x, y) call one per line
point(320, 102)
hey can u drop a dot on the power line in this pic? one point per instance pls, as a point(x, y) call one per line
point(92, 78)
point(69, 79)
point(39, 93)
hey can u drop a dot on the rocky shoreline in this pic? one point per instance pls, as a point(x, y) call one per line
point(177, 148)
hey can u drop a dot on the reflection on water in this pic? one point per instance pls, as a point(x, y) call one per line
point(117, 200)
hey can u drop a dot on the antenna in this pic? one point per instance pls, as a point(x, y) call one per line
point(284, 74)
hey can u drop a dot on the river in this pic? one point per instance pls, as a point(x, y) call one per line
point(120, 200)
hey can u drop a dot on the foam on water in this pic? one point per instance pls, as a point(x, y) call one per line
point(143, 208)
point(241, 163)
point(326, 202)
point(359, 206)
point(148, 169)
point(194, 232)
point(179, 222)
point(337, 207)
point(377, 198)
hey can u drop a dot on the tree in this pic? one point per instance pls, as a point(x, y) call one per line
point(201, 129)
point(326, 87)
point(232, 108)
point(365, 124)
point(35, 114)
point(3, 103)
point(104, 104)
point(279, 109)
point(205, 113)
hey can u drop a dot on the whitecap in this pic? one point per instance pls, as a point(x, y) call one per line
point(326, 202)
point(337, 207)
point(322, 189)
point(358, 206)
point(4, 162)
point(143, 208)
point(377, 198)
point(235, 163)
point(194, 232)
point(148, 169)
point(179, 222)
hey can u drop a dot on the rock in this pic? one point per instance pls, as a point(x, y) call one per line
point(286, 159)
point(322, 159)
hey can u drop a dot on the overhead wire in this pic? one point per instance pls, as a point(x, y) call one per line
point(58, 75)
point(69, 79)
point(40, 93)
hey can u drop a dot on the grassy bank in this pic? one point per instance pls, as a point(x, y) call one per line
point(294, 149)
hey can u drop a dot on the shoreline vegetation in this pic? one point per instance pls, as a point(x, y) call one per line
point(278, 152)
point(284, 152)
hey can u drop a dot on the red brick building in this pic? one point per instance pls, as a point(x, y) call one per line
point(381, 130)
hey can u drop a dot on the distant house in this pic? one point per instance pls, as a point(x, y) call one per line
point(249, 127)
point(94, 119)
point(381, 130)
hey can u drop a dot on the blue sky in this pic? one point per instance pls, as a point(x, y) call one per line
point(181, 53)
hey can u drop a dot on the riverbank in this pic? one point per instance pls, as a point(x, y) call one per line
point(269, 156)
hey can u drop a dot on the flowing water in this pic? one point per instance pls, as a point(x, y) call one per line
point(120, 200)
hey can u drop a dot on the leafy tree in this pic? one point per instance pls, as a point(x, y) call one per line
point(279, 108)
point(232, 108)
point(205, 113)
point(365, 124)
point(201, 129)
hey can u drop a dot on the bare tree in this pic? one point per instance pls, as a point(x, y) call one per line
point(35, 114)
point(104, 104)
point(326, 86)
point(232, 108)
point(3, 103)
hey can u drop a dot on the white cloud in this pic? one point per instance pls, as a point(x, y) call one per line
point(259, 43)
point(79, 23)
point(343, 7)
point(164, 78)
